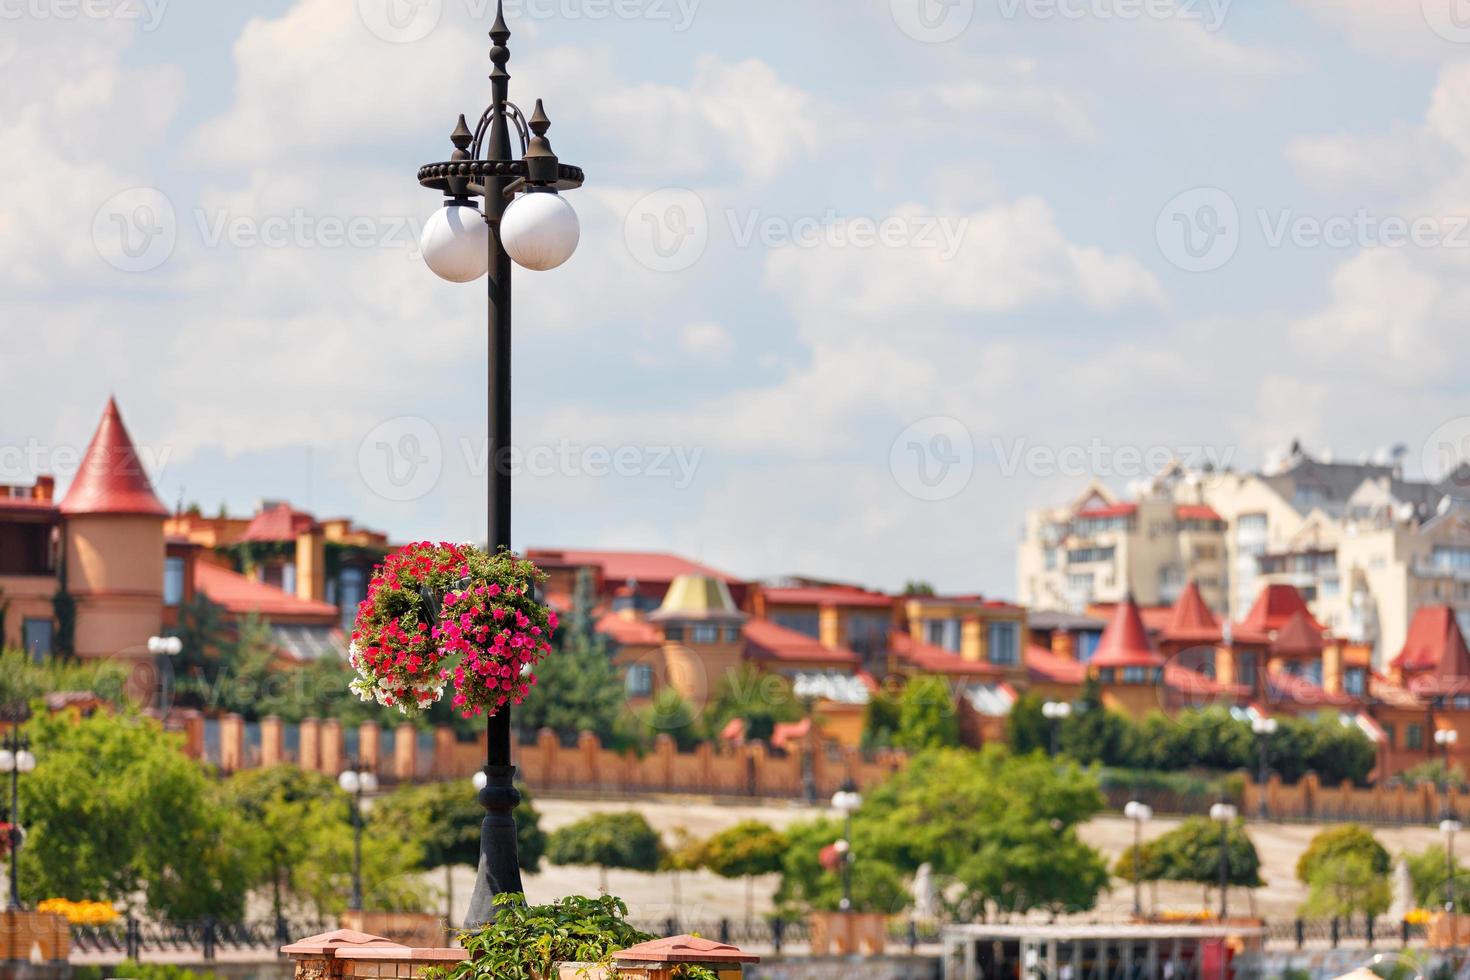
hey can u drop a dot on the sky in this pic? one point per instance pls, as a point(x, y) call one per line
point(859, 281)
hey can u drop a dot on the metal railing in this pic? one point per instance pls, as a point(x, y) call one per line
point(131, 937)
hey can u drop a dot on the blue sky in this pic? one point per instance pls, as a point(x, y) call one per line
point(899, 276)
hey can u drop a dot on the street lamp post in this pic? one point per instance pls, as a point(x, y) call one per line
point(1444, 738)
point(1224, 814)
point(1140, 814)
point(1264, 729)
point(15, 759)
point(162, 648)
point(1055, 712)
point(847, 799)
point(1450, 827)
point(520, 216)
point(356, 781)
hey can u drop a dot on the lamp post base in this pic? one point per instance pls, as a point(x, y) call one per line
point(500, 870)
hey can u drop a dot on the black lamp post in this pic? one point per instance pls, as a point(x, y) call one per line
point(847, 799)
point(1140, 814)
point(498, 208)
point(1264, 729)
point(1056, 712)
point(15, 759)
point(1450, 827)
point(356, 781)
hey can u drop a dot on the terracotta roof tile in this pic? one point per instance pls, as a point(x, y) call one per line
point(937, 660)
point(278, 523)
point(240, 595)
point(1275, 606)
point(619, 566)
point(1043, 665)
point(1125, 642)
point(111, 479)
point(765, 640)
point(822, 595)
point(1301, 634)
point(1191, 620)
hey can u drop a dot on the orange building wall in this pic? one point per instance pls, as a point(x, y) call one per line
point(114, 569)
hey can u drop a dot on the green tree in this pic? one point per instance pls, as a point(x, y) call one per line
point(607, 840)
point(1025, 866)
point(577, 686)
point(115, 810)
point(747, 849)
point(1093, 733)
point(1027, 727)
point(1344, 884)
point(1427, 871)
point(807, 884)
point(761, 698)
point(927, 718)
point(668, 714)
point(1341, 841)
point(1191, 852)
point(880, 720)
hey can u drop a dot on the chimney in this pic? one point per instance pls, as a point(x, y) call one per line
point(1064, 644)
point(45, 488)
point(311, 564)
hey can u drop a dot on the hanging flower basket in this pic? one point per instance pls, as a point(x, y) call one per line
point(438, 615)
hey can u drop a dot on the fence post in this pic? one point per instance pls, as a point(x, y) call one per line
point(778, 929)
point(1404, 931)
point(1301, 933)
point(132, 939)
point(671, 926)
point(1370, 931)
point(1334, 932)
point(725, 931)
point(283, 935)
point(913, 936)
point(208, 940)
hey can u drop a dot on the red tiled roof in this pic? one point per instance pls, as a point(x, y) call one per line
point(1299, 635)
point(239, 594)
point(1113, 510)
point(1196, 512)
point(1043, 665)
point(1433, 633)
point(1277, 604)
point(786, 732)
point(1192, 682)
point(111, 479)
point(645, 566)
point(1191, 620)
point(826, 595)
point(279, 523)
point(764, 640)
point(1125, 642)
point(937, 660)
point(629, 632)
point(27, 505)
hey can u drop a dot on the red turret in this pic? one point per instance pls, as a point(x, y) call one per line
point(111, 479)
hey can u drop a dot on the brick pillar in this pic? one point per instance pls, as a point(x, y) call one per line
point(193, 733)
point(666, 749)
point(442, 765)
point(405, 752)
point(231, 742)
point(310, 758)
point(369, 745)
point(589, 748)
point(272, 742)
point(331, 754)
point(549, 748)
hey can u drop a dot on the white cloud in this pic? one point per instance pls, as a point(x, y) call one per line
point(706, 339)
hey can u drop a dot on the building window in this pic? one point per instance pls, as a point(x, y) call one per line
point(730, 634)
point(1135, 675)
point(1105, 675)
point(1087, 641)
point(1354, 681)
point(1245, 669)
point(36, 637)
point(1004, 648)
point(350, 590)
point(1451, 559)
point(943, 633)
point(705, 633)
point(639, 682)
point(1462, 702)
point(173, 581)
point(675, 632)
point(867, 633)
point(805, 623)
point(1390, 735)
point(1414, 736)
point(1083, 556)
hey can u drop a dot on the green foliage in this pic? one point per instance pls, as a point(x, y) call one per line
point(1346, 883)
point(927, 718)
point(297, 832)
point(578, 688)
point(607, 840)
point(1191, 852)
point(527, 941)
point(748, 848)
point(1427, 874)
point(1092, 733)
point(23, 681)
point(1027, 728)
point(129, 970)
point(1433, 773)
point(760, 697)
point(114, 810)
point(877, 885)
point(1026, 866)
point(446, 818)
point(668, 714)
point(1343, 841)
point(880, 720)
point(64, 610)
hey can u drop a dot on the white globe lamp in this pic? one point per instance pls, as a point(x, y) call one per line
point(540, 231)
point(456, 243)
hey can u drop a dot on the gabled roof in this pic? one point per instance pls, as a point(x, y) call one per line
point(240, 595)
point(278, 523)
point(1435, 647)
point(937, 660)
point(1197, 512)
point(1191, 620)
point(1275, 607)
point(765, 640)
point(1299, 635)
point(628, 632)
point(618, 566)
point(1125, 642)
point(1043, 665)
point(111, 479)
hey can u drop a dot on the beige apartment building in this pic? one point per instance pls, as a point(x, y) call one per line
point(1365, 547)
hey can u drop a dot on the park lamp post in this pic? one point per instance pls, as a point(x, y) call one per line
point(15, 759)
point(355, 782)
point(1449, 827)
point(1444, 738)
point(1264, 729)
point(1140, 814)
point(499, 208)
point(847, 799)
point(1055, 712)
point(1224, 814)
point(162, 648)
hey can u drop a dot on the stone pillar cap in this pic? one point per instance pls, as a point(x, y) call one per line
point(684, 949)
point(328, 943)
